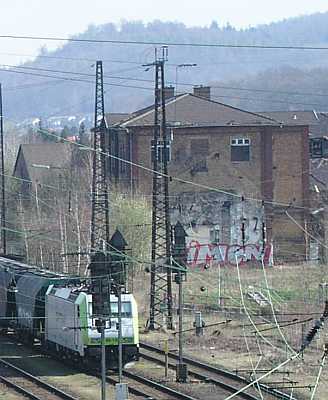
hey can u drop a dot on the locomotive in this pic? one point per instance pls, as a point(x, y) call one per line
point(55, 310)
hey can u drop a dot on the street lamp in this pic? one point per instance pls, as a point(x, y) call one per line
point(176, 83)
point(176, 73)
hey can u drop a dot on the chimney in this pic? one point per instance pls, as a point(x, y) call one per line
point(203, 91)
point(168, 92)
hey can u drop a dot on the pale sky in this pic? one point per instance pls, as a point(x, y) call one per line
point(67, 17)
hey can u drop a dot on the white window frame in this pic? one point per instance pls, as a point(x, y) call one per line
point(241, 141)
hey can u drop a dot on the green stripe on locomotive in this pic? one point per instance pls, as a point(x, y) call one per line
point(88, 329)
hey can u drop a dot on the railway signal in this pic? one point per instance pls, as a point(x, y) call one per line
point(180, 261)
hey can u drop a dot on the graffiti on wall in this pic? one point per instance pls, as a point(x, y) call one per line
point(224, 254)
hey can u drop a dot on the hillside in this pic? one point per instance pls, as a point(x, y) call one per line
point(27, 95)
point(284, 88)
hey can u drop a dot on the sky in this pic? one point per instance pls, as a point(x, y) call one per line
point(67, 17)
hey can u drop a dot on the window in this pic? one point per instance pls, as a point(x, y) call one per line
point(199, 146)
point(126, 309)
point(199, 149)
point(240, 149)
point(122, 155)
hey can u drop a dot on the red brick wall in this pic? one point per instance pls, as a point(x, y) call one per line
point(277, 171)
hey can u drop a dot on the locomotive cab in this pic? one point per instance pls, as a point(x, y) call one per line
point(71, 327)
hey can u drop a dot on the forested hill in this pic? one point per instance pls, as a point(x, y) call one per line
point(129, 83)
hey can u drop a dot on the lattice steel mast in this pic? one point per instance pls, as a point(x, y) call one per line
point(161, 276)
point(99, 265)
point(2, 166)
point(100, 215)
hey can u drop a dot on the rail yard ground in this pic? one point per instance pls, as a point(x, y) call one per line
point(297, 301)
point(252, 340)
point(8, 394)
point(79, 385)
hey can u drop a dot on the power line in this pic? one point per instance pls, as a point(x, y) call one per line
point(253, 61)
point(150, 89)
point(174, 178)
point(189, 84)
point(166, 43)
point(268, 100)
point(69, 58)
point(63, 78)
point(72, 79)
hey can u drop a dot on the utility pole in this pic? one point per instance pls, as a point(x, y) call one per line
point(243, 236)
point(264, 236)
point(325, 233)
point(161, 274)
point(180, 261)
point(120, 363)
point(3, 194)
point(99, 265)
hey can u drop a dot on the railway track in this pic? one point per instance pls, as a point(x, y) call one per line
point(148, 389)
point(138, 386)
point(207, 373)
point(29, 385)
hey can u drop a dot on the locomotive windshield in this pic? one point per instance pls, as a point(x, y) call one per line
point(126, 309)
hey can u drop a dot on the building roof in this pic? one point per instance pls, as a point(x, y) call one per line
point(45, 161)
point(310, 117)
point(190, 110)
point(116, 118)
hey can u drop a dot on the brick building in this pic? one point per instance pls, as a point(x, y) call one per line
point(227, 161)
point(42, 164)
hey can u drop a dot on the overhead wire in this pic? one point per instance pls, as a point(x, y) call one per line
point(273, 309)
point(37, 56)
point(322, 364)
point(91, 149)
point(180, 180)
point(291, 358)
point(246, 310)
point(305, 231)
point(165, 43)
point(252, 364)
point(73, 79)
point(9, 69)
point(53, 187)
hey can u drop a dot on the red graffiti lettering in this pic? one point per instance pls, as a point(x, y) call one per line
point(224, 254)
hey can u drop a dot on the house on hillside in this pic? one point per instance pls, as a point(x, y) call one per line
point(243, 176)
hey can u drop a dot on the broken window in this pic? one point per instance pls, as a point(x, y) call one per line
point(199, 149)
point(240, 149)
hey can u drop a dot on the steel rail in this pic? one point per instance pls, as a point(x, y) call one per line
point(207, 379)
point(95, 372)
point(219, 371)
point(19, 389)
point(158, 386)
point(42, 384)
